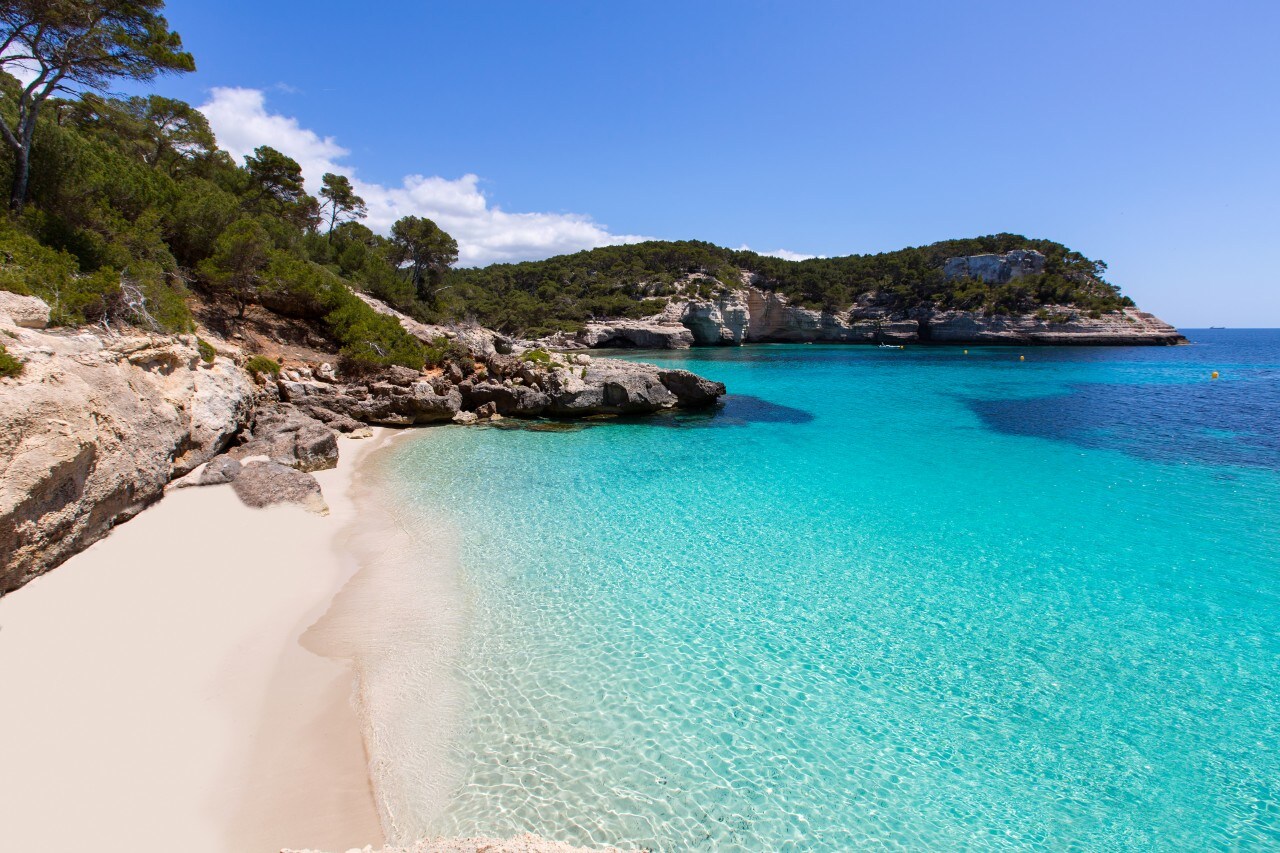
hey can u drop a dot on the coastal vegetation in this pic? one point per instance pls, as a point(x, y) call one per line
point(260, 365)
point(126, 211)
point(9, 366)
point(562, 293)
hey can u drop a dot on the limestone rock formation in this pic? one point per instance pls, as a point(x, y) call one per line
point(27, 312)
point(94, 429)
point(219, 470)
point(292, 438)
point(995, 269)
point(261, 484)
point(567, 388)
point(1060, 326)
point(655, 333)
point(753, 315)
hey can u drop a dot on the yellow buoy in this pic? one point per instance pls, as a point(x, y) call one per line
point(1214, 375)
point(1022, 358)
point(966, 352)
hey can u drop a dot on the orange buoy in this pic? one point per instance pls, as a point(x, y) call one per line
point(1213, 375)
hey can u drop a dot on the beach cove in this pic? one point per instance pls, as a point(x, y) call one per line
point(903, 598)
point(159, 693)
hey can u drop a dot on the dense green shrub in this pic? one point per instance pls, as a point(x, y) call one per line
point(444, 350)
point(260, 366)
point(9, 366)
point(538, 356)
point(207, 352)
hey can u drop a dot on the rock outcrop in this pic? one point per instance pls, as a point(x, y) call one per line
point(94, 429)
point(753, 315)
point(1062, 327)
point(995, 269)
point(27, 312)
point(655, 333)
point(291, 438)
point(566, 388)
point(261, 484)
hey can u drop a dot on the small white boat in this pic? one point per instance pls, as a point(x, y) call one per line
point(891, 346)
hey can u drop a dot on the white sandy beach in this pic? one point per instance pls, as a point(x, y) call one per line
point(156, 695)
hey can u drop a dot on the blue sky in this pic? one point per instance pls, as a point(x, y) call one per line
point(1142, 133)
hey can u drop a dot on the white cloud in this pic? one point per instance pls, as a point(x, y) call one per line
point(485, 232)
point(25, 70)
point(785, 254)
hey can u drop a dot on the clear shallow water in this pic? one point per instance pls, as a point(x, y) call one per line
point(914, 600)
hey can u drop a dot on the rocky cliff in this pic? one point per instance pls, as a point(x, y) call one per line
point(97, 424)
point(94, 428)
point(752, 314)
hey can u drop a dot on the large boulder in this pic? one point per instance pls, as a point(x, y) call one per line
point(691, 390)
point(261, 484)
point(94, 429)
point(290, 437)
point(508, 400)
point(27, 312)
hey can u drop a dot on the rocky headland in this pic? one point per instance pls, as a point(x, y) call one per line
point(749, 313)
point(98, 423)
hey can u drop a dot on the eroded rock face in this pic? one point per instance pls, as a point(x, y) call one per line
point(92, 431)
point(655, 333)
point(397, 400)
point(1062, 326)
point(569, 388)
point(753, 315)
point(995, 269)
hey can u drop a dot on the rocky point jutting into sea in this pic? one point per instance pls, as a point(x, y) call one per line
point(99, 423)
point(749, 313)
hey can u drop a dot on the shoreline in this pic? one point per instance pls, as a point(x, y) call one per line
point(398, 623)
point(166, 695)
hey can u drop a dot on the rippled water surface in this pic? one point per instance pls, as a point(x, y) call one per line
point(897, 599)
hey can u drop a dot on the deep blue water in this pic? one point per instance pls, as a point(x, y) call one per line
point(914, 599)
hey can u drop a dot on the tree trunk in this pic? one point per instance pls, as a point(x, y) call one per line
point(21, 177)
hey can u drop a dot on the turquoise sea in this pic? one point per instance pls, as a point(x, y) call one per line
point(918, 600)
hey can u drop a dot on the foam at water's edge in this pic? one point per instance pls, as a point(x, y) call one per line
point(400, 621)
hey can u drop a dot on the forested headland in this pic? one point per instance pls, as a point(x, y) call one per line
point(124, 210)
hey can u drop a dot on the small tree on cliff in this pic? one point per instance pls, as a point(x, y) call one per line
point(239, 259)
point(341, 201)
point(425, 251)
point(71, 45)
